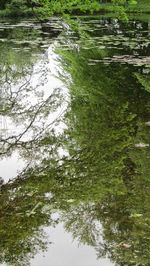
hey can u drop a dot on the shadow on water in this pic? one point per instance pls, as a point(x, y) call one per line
point(93, 174)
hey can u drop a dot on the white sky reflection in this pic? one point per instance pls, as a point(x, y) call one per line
point(65, 252)
point(45, 73)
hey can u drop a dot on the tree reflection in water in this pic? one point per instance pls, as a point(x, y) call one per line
point(100, 182)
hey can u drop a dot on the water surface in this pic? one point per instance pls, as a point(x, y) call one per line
point(74, 147)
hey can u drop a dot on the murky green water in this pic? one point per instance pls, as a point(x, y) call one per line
point(75, 143)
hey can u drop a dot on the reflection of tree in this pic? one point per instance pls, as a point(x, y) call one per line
point(108, 111)
point(20, 48)
point(101, 179)
point(144, 80)
point(22, 213)
point(83, 224)
point(18, 55)
point(15, 106)
point(26, 106)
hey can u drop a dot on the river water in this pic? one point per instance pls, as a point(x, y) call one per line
point(74, 142)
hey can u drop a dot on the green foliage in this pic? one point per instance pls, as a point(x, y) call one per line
point(45, 9)
point(120, 7)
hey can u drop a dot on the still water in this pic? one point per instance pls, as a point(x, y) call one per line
point(75, 143)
